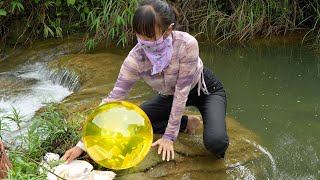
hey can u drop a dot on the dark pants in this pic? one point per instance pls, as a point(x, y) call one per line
point(212, 108)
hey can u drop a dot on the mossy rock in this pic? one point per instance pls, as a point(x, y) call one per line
point(192, 157)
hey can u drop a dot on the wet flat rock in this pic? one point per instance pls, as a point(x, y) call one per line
point(193, 160)
point(98, 73)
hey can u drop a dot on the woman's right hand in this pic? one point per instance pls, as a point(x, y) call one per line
point(72, 154)
point(76, 151)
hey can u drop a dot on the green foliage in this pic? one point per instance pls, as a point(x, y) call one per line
point(3, 12)
point(70, 2)
point(16, 5)
point(243, 20)
point(50, 131)
point(102, 20)
point(15, 117)
point(4, 127)
point(111, 20)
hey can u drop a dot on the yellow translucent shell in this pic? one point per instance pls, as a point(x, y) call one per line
point(118, 135)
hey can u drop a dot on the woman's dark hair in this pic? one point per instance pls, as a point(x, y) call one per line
point(152, 13)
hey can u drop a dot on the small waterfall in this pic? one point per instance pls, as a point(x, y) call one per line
point(27, 84)
point(28, 88)
point(65, 78)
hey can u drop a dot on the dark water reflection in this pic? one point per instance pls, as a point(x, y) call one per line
point(274, 90)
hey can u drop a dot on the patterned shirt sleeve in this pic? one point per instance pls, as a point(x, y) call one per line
point(188, 67)
point(127, 77)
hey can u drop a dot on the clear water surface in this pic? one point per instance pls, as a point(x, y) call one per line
point(274, 90)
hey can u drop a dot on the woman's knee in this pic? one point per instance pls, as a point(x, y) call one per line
point(217, 144)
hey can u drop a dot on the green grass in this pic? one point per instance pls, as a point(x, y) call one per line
point(229, 21)
point(52, 130)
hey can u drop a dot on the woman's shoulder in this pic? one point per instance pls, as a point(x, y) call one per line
point(183, 36)
point(136, 53)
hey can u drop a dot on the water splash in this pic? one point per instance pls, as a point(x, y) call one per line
point(266, 152)
point(240, 171)
point(255, 169)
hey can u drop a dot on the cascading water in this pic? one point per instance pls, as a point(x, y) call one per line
point(31, 87)
point(26, 84)
point(65, 78)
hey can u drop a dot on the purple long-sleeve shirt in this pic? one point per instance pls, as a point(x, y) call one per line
point(182, 74)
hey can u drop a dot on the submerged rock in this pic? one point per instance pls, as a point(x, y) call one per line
point(98, 73)
point(13, 85)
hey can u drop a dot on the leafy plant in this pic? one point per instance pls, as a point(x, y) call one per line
point(102, 20)
point(224, 21)
point(16, 5)
point(111, 20)
point(4, 127)
point(3, 12)
point(50, 131)
point(15, 117)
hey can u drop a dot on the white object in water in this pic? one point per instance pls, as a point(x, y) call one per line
point(46, 160)
point(75, 170)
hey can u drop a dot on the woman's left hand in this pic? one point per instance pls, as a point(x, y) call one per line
point(165, 147)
